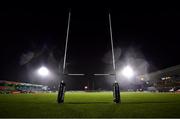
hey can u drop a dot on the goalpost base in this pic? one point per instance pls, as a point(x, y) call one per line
point(61, 92)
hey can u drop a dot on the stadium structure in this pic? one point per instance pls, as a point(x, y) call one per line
point(19, 87)
point(164, 80)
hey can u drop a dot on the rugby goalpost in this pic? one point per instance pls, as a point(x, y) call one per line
point(62, 87)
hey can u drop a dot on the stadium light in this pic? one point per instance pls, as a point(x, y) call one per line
point(43, 71)
point(85, 87)
point(127, 72)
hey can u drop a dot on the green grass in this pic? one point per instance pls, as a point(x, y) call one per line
point(92, 104)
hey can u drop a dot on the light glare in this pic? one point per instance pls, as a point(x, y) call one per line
point(128, 72)
point(43, 71)
point(85, 87)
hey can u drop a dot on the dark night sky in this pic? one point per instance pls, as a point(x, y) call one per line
point(154, 31)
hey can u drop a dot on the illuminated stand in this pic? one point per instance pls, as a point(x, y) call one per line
point(116, 90)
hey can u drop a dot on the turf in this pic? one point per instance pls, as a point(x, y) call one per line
point(92, 104)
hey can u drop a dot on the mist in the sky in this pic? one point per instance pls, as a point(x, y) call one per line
point(132, 57)
point(26, 57)
point(31, 61)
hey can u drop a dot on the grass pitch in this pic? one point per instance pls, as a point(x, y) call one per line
point(90, 104)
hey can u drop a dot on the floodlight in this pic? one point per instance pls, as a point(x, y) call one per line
point(128, 72)
point(85, 87)
point(43, 71)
